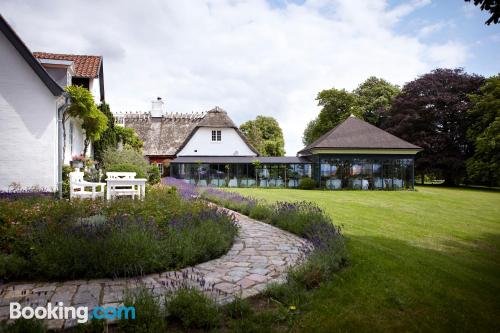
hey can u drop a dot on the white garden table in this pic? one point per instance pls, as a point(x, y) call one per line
point(125, 183)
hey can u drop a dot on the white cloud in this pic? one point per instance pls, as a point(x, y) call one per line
point(244, 56)
point(450, 54)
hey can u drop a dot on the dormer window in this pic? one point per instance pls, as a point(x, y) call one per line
point(216, 136)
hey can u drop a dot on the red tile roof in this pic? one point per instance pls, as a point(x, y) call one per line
point(85, 65)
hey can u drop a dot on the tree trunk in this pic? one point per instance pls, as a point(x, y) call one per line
point(65, 117)
point(422, 179)
point(449, 181)
point(85, 146)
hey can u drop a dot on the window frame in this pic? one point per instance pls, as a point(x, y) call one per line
point(216, 136)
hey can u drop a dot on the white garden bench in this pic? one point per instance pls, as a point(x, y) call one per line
point(78, 186)
point(125, 184)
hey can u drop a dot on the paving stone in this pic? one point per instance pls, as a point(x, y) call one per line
point(257, 277)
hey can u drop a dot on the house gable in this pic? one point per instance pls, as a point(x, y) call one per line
point(26, 54)
point(200, 143)
point(216, 135)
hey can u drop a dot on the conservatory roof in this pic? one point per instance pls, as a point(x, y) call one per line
point(354, 133)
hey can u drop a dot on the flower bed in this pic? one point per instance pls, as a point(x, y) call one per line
point(43, 238)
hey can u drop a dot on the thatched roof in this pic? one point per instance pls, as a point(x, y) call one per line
point(354, 133)
point(162, 136)
point(217, 118)
point(166, 136)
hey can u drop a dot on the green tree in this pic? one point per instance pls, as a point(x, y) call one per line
point(128, 137)
point(114, 135)
point(336, 105)
point(484, 133)
point(94, 122)
point(265, 134)
point(109, 137)
point(431, 112)
point(375, 96)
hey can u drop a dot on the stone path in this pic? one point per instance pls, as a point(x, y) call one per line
point(261, 254)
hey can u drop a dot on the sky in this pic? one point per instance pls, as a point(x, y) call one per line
point(257, 57)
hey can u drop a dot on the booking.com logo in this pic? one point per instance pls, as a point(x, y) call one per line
point(80, 313)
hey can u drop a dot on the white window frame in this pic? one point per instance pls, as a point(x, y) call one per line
point(160, 167)
point(216, 136)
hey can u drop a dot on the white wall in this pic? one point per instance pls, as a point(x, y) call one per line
point(28, 124)
point(201, 144)
point(94, 88)
point(78, 140)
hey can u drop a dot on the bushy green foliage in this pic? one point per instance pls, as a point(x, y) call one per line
point(193, 309)
point(128, 137)
point(375, 97)
point(336, 106)
point(44, 238)
point(65, 177)
point(127, 155)
point(484, 166)
point(94, 122)
point(23, 326)
point(154, 176)
point(265, 135)
point(259, 211)
point(307, 184)
point(131, 160)
point(237, 309)
point(114, 135)
point(150, 315)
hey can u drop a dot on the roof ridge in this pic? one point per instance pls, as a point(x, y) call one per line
point(39, 53)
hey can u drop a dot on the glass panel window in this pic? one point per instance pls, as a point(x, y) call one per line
point(216, 136)
point(160, 167)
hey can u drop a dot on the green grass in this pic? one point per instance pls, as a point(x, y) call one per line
point(420, 261)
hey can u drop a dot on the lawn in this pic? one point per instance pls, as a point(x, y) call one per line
point(427, 260)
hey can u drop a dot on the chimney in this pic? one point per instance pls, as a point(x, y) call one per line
point(157, 108)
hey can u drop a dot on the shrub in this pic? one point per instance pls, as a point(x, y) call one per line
point(44, 238)
point(193, 309)
point(65, 178)
point(287, 294)
point(154, 176)
point(307, 184)
point(127, 167)
point(237, 309)
point(150, 316)
point(23, 326)
point(260, 211)
point(127, 155)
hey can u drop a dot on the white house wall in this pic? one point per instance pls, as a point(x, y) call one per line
point(28, 124)
point(94, 88)
point(74, 147)
point(201, 144)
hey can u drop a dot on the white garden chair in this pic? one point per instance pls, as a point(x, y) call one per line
point(233, 182)
point(78, 187)
point(333, 184)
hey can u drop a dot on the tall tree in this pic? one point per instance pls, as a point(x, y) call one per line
point(492, 6)
point(431, 112)
point(484, 133)
point(265, 134)
point(375, 97)
point(336, 105)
